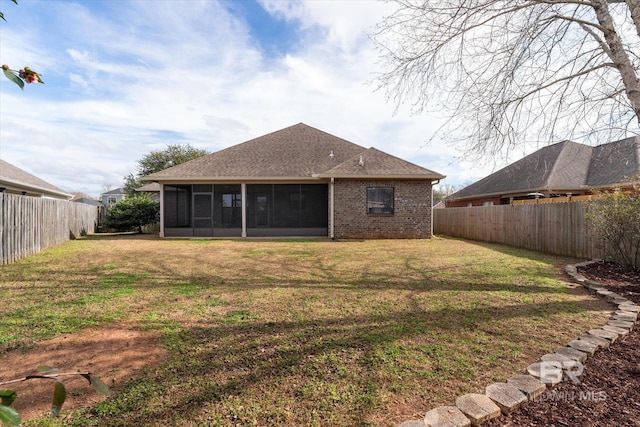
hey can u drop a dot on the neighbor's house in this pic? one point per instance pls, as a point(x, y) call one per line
point(112, 197)
point(298, 181)
point(559, 170)
point(14, 180)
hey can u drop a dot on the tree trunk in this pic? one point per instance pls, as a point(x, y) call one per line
point(617, 53)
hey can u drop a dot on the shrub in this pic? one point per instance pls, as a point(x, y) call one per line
point(133, 213)
point(615, 219)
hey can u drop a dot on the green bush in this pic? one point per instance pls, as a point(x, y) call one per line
point(133, 213)
point(615, 219)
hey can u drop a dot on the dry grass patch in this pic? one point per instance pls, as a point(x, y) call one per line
point(299, 332)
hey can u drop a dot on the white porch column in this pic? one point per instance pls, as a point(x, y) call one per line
point(161, 233)
point(243, 190)
point(331, 209)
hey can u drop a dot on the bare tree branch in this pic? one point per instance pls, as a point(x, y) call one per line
point(509, 73)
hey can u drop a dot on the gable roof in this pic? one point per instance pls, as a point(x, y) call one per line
point(561, 167)
point(15, 179)
point(115, 192)
point(296, 152)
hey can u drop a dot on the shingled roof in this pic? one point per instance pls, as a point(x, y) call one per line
point(15, 179)
point(559, 168)
point(298, 152)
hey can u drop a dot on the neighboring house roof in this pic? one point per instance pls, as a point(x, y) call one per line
point(561, 167)
point(152, 187)
point(88, 201)
point(297, 152)
point(15, 179)
point(115, 192)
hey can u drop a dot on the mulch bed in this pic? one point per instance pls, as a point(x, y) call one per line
point(609, 393)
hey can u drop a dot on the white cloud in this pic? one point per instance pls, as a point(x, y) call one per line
point(129, 78)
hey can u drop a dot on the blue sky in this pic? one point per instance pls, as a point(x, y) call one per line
point(123, 78)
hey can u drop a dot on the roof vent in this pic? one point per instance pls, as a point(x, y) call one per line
point(331, 154)
point(361, 161)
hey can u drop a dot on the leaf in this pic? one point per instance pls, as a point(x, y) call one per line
point(44, 369)
point(7, 397)
point(59, 396)
point(99, 386)
point(17, 80)
point(9, 416)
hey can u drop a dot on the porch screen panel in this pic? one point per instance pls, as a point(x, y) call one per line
point(227, 206)
point(177, 206)
point(259, 205)
point(286, 205)
point(202, 210)
point(314, 206)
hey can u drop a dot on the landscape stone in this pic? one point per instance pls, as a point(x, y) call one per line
point(633, 317)
point(621, 324)
point(629, 307)
point(604, 293)
point(597, 341)
point(572, 353)
point(412, 423)
point(620, 300)
point(557, 359)
point(445, 416)
point(602, 333)
point(579, 278)
point(531, 386)
point(584, 346)
point(623, 332)
point(478, 408)
point(506, 396)
point(570, 269)
point(547, 372)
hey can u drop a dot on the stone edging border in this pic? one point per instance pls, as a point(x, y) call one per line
point(503, 398)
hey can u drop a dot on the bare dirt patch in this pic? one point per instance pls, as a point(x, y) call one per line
point(114, 353)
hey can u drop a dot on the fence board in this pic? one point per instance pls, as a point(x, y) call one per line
point(31, 224)
point(556, 228)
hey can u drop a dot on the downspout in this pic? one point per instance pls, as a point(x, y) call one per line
point(331, 209)
point(243, 197)
point(436, 182)
point(161, 233)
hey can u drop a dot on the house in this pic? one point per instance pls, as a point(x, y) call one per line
point(298, 181)
point(14, 180)
point(563, 169)
point(112, 197)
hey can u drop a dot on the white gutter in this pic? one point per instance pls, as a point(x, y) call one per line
point(331, 209)
point(243, 198)
point(20, 186)
point(161, 233)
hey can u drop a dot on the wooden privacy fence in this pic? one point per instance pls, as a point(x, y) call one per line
point(556, 228)
point(31, 224)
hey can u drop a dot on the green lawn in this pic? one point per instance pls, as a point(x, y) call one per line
point(298, 333)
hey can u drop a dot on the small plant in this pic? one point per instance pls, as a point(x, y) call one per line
point(9, 416)
point(615, 218)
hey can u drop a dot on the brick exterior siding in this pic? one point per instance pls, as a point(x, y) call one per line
point(411, 218)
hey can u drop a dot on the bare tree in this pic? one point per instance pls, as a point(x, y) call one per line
point(511, 73)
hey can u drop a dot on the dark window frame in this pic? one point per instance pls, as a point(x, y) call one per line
point(380, 200)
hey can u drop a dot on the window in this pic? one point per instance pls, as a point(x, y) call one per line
point(380, 200)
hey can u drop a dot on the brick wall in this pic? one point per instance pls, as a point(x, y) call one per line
point(411, 218)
